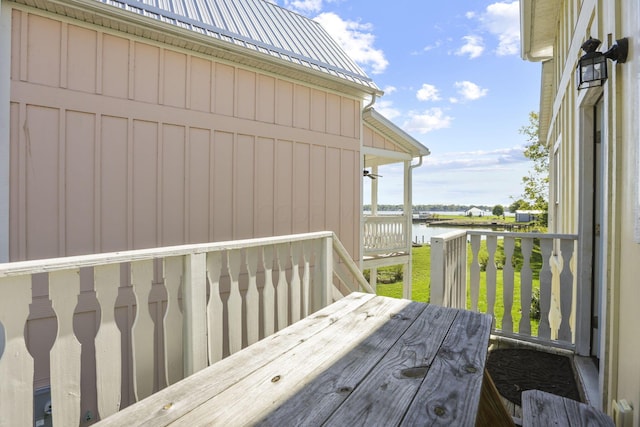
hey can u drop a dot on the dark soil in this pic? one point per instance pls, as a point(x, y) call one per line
point(516, 370)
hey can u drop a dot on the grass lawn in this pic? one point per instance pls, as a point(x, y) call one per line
point(421, 269)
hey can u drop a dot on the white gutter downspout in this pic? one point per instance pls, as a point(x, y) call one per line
point(365, 108)
point(408, 208)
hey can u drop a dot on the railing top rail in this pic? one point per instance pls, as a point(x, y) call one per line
point(384, 216)
point(92, 260)
point(450, 235)
point(526, 235)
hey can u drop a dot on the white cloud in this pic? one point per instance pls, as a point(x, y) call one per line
point(427, 121)
point(470, 91)
point(428, 93)
point(473, 47)
point(478, 160)
point(389, 90)
point(304, 6)
point(386, 109)
point(502, 19)
point(356, 39)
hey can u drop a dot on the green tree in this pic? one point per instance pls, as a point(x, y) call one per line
point(498, 210)
point(518, 205)
point(536, 182)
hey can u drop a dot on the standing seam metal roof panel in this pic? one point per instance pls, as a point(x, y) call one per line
point(257, 25)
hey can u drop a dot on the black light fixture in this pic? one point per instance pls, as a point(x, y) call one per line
point(592, 66)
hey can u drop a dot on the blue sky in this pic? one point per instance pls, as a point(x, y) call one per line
point(453, 79)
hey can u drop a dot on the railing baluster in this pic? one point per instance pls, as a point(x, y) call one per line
point(306, 279)
point(268, 292)
point(142, 331)
point(544, 329)
point(282, 289)
point(195, 312)
point(252, 298)
point(295, 281)
point(64, 287)
point(491, 273)
point(215, 308)
point(566, 290)
point(508, 283)
point(16, 363)
point(475, 271)
point(173, 269)
point(234, 303)
point(526, 285)
point(106, 280)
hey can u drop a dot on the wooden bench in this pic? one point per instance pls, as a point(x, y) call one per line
point(545, 409)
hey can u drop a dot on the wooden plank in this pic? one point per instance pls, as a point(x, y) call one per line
point(387, 391)
point(108, 353)
point(64, 287)
point(215, 309)
point(286, 375)
point(492, 411)
point(450, 392)
point(173, 321)
point(142, 331)
point(252, 298)
point(545, 409)
point(234, 302)
point(313, 404)
point(171, 403)
point(16, 363)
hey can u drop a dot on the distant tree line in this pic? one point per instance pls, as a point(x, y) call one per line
point(431, 207)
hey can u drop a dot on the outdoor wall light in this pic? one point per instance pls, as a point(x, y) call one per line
point(592, 66)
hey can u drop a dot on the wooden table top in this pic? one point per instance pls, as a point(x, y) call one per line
point(364, 360)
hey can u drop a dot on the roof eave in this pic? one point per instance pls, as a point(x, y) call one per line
point(394, 133)
point(112, 17)
point(538, 24)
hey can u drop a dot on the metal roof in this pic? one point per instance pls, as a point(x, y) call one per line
point(257, 25)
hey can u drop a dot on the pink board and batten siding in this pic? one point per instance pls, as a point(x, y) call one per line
point(117, 142)
point(121, 143)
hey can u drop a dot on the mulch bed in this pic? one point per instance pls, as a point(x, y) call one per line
point(515, 370)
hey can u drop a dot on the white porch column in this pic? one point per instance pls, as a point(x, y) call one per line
point(5, 86)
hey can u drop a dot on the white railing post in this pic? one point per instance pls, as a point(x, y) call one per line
point(437, 271)
point(194, 309)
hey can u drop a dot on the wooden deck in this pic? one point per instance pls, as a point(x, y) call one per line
point(364, 360)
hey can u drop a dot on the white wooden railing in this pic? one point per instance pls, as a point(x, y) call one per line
point(218, 298)
point(456, 285)
point(385, 234)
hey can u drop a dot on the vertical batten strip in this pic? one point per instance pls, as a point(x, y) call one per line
point(252, 299)
point(142, 331)
point(16, 363)
point(173, 268)
point(526, 285)
point(234, 303)
point(214, 308)
point(268, 292)
point(282, 289)
point(108, 352)
point(508, 283)
point(64, 357)
point(296, 248)
point(195, 312)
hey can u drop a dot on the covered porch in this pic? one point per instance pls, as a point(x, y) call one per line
point(386, 237)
